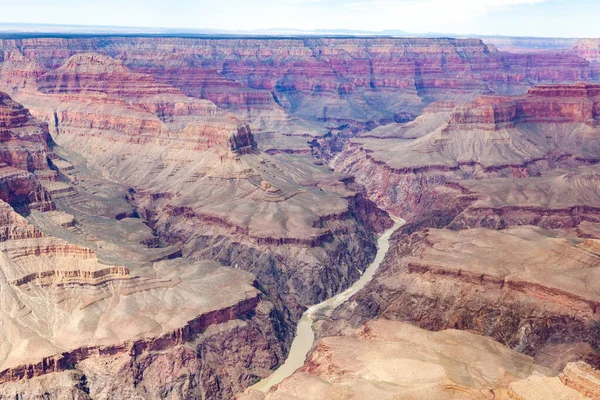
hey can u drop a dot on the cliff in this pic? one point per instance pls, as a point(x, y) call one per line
point(97, 95)
point(223, 148)
point(469, 178)
point(389, 359)
point(59, 317)
point(523, 286)
point(23, 139)
point(316, 78)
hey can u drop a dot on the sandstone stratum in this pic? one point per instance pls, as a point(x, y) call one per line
point(171, 206)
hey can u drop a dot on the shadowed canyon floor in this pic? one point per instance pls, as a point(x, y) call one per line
point(170, 207)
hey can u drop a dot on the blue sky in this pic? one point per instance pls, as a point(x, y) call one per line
point(567, 18)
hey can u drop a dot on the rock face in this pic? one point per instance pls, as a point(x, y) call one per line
point(394, 360)
point(189, 162)
point(90, 72)
point(62, 306)
point(24, 139)
point(577, 381)
point(583, 378)
point(328, 79)
point(588, 49)
point(196, 176)
point(220, 146)
point(492, 137)
point(523, 286)
point(24, 152)
point(513, 182)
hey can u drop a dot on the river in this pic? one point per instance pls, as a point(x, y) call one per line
point(305, 336)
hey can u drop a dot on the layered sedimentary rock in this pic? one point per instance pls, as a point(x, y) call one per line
point(447, 146)
point(196, 176)
point(498, 164)
point(106, 325)
point(189, 162)
point(328, 79)
point(24, 139)
point(116, 328)
point(24, 155)
point(212, 141)
point(95, 95)
point(524, 286)
point(583, 378)
point(562, 199)
point(577, 381)
point(89, 72)
point(588, 49)
point(394, 360)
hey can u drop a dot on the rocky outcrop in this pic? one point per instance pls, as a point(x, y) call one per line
point(530, 293)
point(543, 103)
point(576, 382)
point(243, 141)
point(24, 155)
point(23, 190)
point(588, 49)
point(321, 78)
point(391, 360)
point(58, 319)
point(23, 139)
point(583, 378)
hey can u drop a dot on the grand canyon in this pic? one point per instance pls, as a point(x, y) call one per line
point(171, 206)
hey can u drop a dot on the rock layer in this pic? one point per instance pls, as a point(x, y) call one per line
point(496, 164)
point(24, 155)
point(211, 142)
point(61, 306)
point(329, 79)
point(393, 360)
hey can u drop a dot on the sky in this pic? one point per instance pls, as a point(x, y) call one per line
point(550, 18)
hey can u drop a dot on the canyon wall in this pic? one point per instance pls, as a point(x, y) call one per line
point(491, 172)
point(24, 155)
point(271, 157)
point(356, 79)
point(391, 360)
point(59, 312)
point(130, 145)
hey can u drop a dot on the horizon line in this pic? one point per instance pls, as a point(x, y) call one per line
point(263, 32)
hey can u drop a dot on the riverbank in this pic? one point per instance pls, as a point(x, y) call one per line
point(305, 335)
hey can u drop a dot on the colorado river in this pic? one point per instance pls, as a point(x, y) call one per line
point(304, 334)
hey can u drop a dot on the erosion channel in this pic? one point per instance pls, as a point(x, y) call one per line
point(304, 339)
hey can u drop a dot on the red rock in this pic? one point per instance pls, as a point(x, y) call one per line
point(23, 139)
point(267, 74)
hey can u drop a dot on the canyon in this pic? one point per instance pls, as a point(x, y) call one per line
point(171, 206)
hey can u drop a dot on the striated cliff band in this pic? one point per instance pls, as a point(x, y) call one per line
point(171, 206)
point(127, 146)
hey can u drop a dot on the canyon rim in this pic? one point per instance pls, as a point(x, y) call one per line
point(300, 213)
